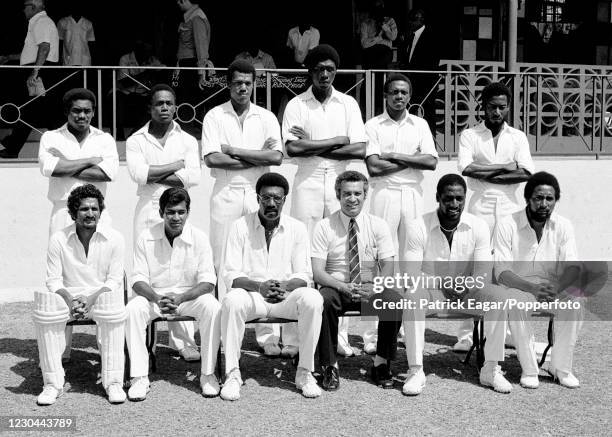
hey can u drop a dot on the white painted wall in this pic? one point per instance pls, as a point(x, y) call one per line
point(585, 199)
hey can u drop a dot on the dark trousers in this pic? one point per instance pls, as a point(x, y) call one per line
point(336, 303)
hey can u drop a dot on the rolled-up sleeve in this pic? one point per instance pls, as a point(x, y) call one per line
point(233, 266)
point(291, 118)
point(320, 241)
point(466, 151)
point(300, 256)
point(523, 155)
point(427, 144)
point(114, 279)
point(210, 134)
point(110, 157)
point(55, 278)
point(46, 161)
point(373, 146)
point(355, 128)
point(136, 162)
point(140, 266)
point(272, 129)
point(206, 266)
point(190, 175)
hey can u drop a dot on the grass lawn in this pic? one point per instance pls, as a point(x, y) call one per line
point(453, 402)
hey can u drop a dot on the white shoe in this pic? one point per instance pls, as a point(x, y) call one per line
point(344, 349)
point(463, 345)
point(271, 350)
point(307, 383)
point(209, 385)
point(289, 351)
point(115, 393)
point(231, 387)
point(566, 379)
point(415, 382)
point(369, 348)
point(530, 381)
point(492, 376)
point(139, 389)
point(190, 354)
point(49, 395)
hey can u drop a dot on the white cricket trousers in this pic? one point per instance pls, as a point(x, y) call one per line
point(496, 321)
point(205, 309)
point(239, 306)
point(50, 317)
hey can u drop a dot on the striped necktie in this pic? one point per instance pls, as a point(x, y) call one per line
point(353, 250)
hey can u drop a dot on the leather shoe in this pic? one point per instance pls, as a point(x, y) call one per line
point(331, 378)
point(382, 376)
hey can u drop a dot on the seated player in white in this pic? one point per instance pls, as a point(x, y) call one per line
point(173, 274)
point(84, 280)
point(267, 271)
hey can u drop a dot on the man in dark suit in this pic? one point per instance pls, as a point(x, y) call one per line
point(417, 50)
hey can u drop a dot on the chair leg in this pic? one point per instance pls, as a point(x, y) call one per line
point(475, 343)
point(126, 367)
point(480, 353)
point(550, 341)
point(151, 333)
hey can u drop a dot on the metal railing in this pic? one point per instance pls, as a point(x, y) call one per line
point(562, 109)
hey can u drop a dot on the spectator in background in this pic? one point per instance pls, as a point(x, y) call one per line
point(301, 39)
point(257, 57)
point(194, 42)
point(377, 33)
point(41, 47)
point(133, 85)
point(77, 34)
point(418, 50)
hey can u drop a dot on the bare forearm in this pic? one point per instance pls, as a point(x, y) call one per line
point(326, 280)
point(246, 284)
point(71, 167)
point(512, 177)
point(304, 147)
point(143, 289)
point(172, 181)
point(43, 52)
point(420, 162)
point(92, 174)
point(350, 151)
point(481, 174)
point(159, 172)
point(257, 157)
point(294, 283)
point(485, 167)
point(226, 162)
point(195, 292)
point(382, 167)
point(512, 280)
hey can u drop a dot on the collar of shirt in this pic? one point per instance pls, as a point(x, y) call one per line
point(93, 132)
point(418, 32)
point(158, 233)
point(282, 223)
point(345, 219)
point(335, 95)
point(253, 110)
point(464, 222)
point(482, 127)
point(100, 229)
point(407, 118)
point(144, 131)
point(523, 222)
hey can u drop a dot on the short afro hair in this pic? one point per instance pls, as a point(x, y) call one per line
point(350, 176)
point(241, 66)
point(322, 52)
point(495, 89)
point(77, 94)
point(83, 192)
point(272, 180)
point(174, 196)
point(541, 178)
point(161, 87)
point(449, 180)
point(396, 77)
